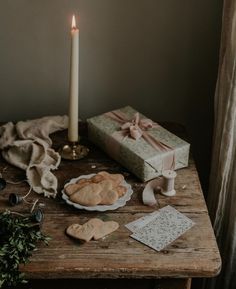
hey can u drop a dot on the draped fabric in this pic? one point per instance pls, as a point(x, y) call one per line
point(27, 145)
point(222, 193)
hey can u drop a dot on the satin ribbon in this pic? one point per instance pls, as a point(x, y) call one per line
point(136, 128)
point(151, 187)
point(164, 185)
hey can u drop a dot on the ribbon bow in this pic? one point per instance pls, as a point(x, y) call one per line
point(136, 126)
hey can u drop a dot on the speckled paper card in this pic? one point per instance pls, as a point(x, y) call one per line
point(141, 222)
point(166, 227)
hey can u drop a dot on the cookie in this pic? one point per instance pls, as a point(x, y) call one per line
point(83, 233)
point(106, 184)
point(96, 222)
point(121, 190)
point(105, 174)
point(107, 194)
point(88, 195)
point(82, 183)
point(116, 178)
point(94, 228)
point(71, 189)
point(97, 178)
point(108, 197)
point(72, 229)
point(105, 229)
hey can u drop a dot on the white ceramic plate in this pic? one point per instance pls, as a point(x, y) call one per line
point(101, 208)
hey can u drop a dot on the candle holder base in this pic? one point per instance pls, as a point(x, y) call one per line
point(73, 151)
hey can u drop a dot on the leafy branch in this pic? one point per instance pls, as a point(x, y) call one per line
point(18, 238)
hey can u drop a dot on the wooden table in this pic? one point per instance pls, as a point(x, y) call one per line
point(195, 254)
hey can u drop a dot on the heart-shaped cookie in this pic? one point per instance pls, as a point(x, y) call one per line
point(82, 183)
point(72, 229)
point(106, 229)
point(83, 233)
point(94, 228)
point(97, 178)
point(116, 178)
point(88, 195)
point(108, 197)
point(71, 189)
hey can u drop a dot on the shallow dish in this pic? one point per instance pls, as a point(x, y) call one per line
point(101, 208)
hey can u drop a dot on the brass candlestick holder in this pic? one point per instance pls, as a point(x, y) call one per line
point(73, 151)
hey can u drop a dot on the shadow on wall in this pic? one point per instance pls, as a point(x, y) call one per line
point(158, 56)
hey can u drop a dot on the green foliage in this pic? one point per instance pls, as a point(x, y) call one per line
point(18, 238)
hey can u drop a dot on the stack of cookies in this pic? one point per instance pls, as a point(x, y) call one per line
point(101, 189)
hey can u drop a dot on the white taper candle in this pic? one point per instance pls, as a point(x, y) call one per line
point(74, 84)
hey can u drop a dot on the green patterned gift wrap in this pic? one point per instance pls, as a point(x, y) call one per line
point(142, 146)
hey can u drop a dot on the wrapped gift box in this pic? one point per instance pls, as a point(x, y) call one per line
point(144, 147)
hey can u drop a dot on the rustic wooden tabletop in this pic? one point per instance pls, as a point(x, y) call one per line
point(194, 254)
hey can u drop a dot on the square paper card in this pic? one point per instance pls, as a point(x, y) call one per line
point(141, 222)
point(164, 226)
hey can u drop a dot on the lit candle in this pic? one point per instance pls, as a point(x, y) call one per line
point(74, 84)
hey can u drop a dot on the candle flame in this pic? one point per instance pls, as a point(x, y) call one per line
point(73, 24)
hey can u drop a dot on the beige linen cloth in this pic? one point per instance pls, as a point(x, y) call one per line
point(27, 145)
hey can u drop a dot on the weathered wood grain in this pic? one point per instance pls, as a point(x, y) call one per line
point(195, 254)
point(123, 256)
